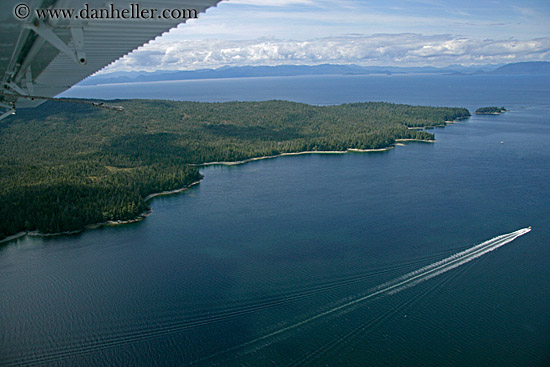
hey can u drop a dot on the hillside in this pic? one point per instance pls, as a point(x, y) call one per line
point(66, 165)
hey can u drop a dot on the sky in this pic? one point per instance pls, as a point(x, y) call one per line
point(363, 32)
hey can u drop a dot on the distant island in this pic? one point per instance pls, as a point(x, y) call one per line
point(65, 166)
point(490, 111)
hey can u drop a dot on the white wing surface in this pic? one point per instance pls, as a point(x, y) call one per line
point(45, 49)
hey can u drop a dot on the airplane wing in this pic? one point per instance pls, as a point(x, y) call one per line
point(45, 49)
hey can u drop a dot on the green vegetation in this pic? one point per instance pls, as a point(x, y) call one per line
point(490, 110)
point(63, 165)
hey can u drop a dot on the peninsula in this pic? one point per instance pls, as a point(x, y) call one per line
point(64, 166)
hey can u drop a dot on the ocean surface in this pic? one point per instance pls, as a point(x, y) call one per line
point(381, 259)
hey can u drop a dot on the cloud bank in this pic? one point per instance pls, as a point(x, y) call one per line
point(406, 49)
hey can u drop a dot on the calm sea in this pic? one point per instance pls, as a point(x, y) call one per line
point(314, 259)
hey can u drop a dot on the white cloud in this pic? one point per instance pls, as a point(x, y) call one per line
point(380, 49)
point(307, 19)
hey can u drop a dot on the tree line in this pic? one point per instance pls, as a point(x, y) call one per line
point(64, 165)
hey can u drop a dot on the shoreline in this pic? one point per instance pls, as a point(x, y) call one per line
point(290, 154)
point(418, 140)
point(170, 192)
point(352, 150)
point(110, 223)
point(445, 123)
point(148, 212)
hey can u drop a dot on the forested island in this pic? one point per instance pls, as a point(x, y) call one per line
point(490, 110)
point(64, 166)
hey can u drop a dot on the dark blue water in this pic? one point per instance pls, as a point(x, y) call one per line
point(268, 263)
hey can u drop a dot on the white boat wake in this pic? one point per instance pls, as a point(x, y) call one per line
point(394, 286)
point(391, 287)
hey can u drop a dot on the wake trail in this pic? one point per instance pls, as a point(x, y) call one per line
point(85, 346)
point(396, 285)
point(116, 339)
point(351, 337)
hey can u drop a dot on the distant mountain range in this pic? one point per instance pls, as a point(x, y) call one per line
point(540, 67)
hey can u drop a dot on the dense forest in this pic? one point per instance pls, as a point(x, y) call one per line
point(66, 165)
point(490, 110)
